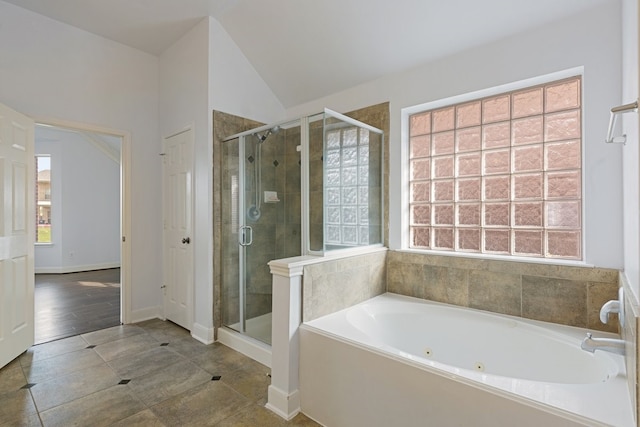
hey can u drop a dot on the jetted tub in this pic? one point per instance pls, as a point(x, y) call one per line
point(402, 361)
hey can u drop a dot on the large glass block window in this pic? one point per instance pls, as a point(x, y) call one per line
point(500, 175)
point(347, 186)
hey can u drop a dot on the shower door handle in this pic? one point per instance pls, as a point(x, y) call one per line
point(245, 235)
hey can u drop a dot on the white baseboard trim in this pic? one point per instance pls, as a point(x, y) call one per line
point(258, 351)
point(202, 333)
point(146, 314)
point(76, 268)
point(285, 405)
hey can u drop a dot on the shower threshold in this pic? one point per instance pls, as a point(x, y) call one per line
point(258, 328)
point(255, 342)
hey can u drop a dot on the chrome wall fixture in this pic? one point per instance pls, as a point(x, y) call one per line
point(615, 112)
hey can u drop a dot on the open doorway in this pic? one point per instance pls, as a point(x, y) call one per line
point(78, 248)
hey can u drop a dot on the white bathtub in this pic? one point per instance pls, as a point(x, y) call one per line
point(402, 361)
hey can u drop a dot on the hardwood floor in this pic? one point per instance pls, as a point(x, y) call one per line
point(76, 303)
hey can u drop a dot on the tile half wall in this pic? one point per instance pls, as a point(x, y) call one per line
point(567, 295)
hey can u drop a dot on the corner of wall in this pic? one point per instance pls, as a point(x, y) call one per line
point(147, 313)
point(202, 333)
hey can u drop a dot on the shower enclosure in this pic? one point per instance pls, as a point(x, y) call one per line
point(305, 187)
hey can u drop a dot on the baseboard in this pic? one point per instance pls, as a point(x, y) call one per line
point(76, 268)
point(254, 349)
point(148, 313)
point(285, 405)
point(202, 333)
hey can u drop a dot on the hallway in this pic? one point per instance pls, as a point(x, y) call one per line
point(149, 374)
point(75, 303)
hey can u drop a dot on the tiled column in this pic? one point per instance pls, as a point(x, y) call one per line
point(284, 397)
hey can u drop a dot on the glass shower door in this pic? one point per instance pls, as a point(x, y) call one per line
point(261, 221)
point(231, 194)
point(261, 213)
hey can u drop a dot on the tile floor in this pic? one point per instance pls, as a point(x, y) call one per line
point(148, 374)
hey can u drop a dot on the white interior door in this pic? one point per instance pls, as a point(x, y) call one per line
point(178, 239)
point(17, 228)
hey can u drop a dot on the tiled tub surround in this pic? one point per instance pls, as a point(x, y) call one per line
point(336, 284)
point(562, 294)
point(568, 295)
point(396, 360)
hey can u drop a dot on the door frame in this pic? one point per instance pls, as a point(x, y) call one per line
point(190, 292)
point(125, 203)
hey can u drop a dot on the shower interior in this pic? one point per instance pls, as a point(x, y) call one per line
point(254, 212)
point(309, 186)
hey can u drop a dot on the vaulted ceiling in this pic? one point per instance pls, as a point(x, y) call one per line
point(306, 49)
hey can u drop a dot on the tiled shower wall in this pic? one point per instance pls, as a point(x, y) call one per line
point(568, 295)
point(277, 233)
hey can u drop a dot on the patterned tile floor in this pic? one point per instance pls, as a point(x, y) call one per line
point(148, 374)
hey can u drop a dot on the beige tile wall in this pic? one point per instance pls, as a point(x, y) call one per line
point(333, 285)
point(561, 294)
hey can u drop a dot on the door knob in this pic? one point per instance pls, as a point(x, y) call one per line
point(186, 240)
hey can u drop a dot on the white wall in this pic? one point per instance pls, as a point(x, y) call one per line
point(50, 70)
point(631, 178)
point(591, 39)
point(236, 87)
point(202, 71)
point(184, 102)
point(86, 201)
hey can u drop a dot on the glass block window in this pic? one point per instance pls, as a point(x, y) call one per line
point(500, 175)
point(347, 186)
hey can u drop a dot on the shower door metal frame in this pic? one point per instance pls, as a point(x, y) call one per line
point(304, 187)
point(242, 224)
